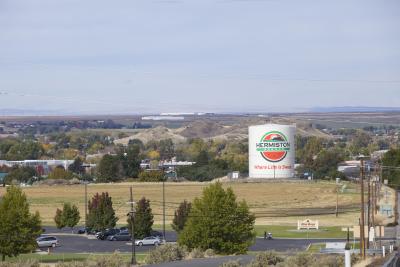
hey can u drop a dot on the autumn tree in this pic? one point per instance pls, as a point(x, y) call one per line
point(181, 215)
point(101, 212)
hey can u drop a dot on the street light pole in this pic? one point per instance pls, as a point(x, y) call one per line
point(86, 205)
point(362, 235)
point(163, 193)
point(337, 200)
point(132, 215)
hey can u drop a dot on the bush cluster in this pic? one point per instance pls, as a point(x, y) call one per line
point(20, 263)
point(115, 260)
point(271, 258)
point(166, 253)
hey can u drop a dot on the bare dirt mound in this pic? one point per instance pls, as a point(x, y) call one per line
point(158, 133)
point(202, 129)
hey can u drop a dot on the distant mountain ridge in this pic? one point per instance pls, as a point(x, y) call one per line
point(344, 109)
point(354, 109)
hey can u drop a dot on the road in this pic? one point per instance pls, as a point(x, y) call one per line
point(81, 244)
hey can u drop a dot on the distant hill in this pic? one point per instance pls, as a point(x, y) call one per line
point(208, 129)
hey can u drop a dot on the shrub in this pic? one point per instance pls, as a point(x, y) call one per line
point(355, 258)
point(235, 263)
point(209, 253)
point(330, 261)
point(265, 259)
point(196, 253)
point(302, 259)
point(115, 260)
point(166, 253)
point(151, 176)
point(72, 264)
point(20, 263)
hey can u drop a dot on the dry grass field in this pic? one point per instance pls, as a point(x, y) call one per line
point(279, 203)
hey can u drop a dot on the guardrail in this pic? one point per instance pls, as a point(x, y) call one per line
point(352, 251)
point(393, 261)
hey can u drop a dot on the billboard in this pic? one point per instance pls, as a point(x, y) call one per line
point(271, 151)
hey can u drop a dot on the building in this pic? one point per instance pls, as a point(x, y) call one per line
point(42, 166)
point(271, 151)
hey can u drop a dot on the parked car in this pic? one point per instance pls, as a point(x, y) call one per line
point(150, 240)
point(84, 230)
point(104, 234)
point(123, 229)
point(157, 234)
point(121, 236)
point(47, 241)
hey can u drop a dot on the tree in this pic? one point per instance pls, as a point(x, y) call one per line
point(181, 216)
point(218, 221)
point(391, 159)
point(24, 150)
point(130, 160)
point(70, 215)
point(326, 163)
point(59, 220)
point(167, 149)
point(76, 166)
point(20, 174)
point(101, 213)
point(143, 219)
point(110, 169)
point(19, 228)
point(60, 173)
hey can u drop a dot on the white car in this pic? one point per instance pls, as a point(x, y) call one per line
point(47, 241)
point(150, 240)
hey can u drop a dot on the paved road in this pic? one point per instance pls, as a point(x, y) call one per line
point(80, 243)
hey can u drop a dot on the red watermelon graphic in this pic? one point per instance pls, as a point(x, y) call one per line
point(275, 146)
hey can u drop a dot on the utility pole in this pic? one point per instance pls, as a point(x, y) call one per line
point(163, 194)
point(337, 200)
point(86, 204)
point(369, 206)
point(362, 222)
point(132, 215)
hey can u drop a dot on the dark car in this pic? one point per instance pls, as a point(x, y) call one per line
point(87, 230)
point(123, 229)
point(121, 236)
point(104, 234)
point(83, 230)
point(157, 234)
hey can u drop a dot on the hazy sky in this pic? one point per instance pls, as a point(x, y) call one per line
point(135, 56)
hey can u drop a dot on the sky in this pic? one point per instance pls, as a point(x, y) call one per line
point(150, 56)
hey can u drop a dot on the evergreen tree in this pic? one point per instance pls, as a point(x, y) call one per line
point(76, 166)
point(218, 221)
point(110, 169)
point(19, 228)
point(181, 216)
point(101, 213)
point(143, 219)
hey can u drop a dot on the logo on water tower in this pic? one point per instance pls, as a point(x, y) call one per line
point(273, 146)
